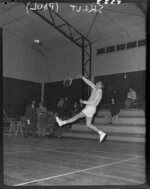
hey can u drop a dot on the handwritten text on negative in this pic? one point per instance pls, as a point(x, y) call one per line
point(94, 7)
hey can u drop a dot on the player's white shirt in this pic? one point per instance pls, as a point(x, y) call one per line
point(96, 96)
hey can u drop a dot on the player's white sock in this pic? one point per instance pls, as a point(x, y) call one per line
point(63, 122)
point(60, 122)
point(102, 136)
point(100, 132)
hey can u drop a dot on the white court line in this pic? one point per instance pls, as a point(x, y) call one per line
point(92, 151)
point(11, 175)
point(53, 150)
point(105, 152)
point(130, 155)
point(28, 150)
point(78, 171)
point(116, 177)
point(18, 151)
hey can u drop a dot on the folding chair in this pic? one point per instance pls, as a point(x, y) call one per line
point(10, 121)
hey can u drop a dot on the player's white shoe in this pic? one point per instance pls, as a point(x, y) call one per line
point(102, 137)
point(60, 123)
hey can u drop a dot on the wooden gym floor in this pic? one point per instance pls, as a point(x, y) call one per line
point(68, 161)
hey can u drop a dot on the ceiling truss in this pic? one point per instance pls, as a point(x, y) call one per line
point(65, 28)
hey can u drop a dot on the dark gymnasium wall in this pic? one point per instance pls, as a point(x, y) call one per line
point(55, 90)
point(121, 83)
point(17, 94)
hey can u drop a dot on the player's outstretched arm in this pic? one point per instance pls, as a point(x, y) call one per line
point(87, 81)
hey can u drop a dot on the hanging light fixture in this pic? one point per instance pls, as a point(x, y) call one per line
point(37, 41)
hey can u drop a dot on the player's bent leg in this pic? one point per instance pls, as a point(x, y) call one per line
point(92, 127)
point(73, 119)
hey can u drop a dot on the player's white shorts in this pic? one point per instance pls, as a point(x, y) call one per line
point(89, 111)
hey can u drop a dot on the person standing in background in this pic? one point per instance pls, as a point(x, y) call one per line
point(114, 109)
point(31, 118)
point(42, 119)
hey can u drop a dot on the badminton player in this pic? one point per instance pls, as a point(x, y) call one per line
point(90, 108)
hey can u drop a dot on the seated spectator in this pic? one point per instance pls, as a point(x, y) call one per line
point(60, 109)
point(67, 107)
point(131, 99)
point(76, 108)
point(42, 119)
point(54, 129)
point(64, 111)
